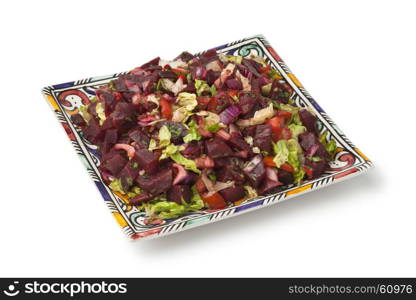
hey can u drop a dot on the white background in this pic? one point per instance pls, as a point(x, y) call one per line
point(357, 59)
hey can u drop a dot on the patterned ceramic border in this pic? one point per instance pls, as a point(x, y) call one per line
point(65, 99)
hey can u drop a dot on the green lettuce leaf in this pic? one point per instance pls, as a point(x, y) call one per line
point(187, 100)
point(166, 209)
point(201, 86)
point(281, 153)
point(193, 134)
point(115, 185)
point(298, 176)
point(234, 58)
point(85, 114)
point(164, 139)
point(330, 146)
point(295, 151)
point(187, 163)
point(296, 129)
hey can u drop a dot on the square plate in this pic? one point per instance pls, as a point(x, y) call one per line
point(66, 98)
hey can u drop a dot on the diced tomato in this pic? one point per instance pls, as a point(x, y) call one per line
point(203, 102)
point(166, 108)
point(117, 96)
point(287, 167)
point(276, 124)
point(232, 93)
point(214, 201)
point(286, 134)
point(265, 69)
point(200, 186)
point(284, 114)
point(268, 161)
point(308, 171)
point(212, 105)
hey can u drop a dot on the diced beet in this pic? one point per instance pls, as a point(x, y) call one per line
point(249, 131)
point(128, 174)
point(308, 120)
point(147, 160)
point(263, 138)
point(185, 56)
point(247, 103)
point(212, 76)
point(168, 74)
point(321, 152)
point(78, 120)
point(233, 194)
point(157, 183)
point(190, 88)
point(307, 139)
point(236, 141)
point(250, 64)
point(193, 149)
point(217, 148)
point(123, 112)
point(140, 138)
point(318, 168)
point(153, 62)
point(222, 100)
point(233, 84)
point(107, 97)
point(107, 124)
point(178, 192)
point(115, 164)
point(229, 168)
point(93, 132)
point(285, 176)
point(110, 139)
point(140, 198)
point(268, 186)
point(92, 109)
point(257, 174)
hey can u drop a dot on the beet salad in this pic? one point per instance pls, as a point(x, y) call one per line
point(201, 132)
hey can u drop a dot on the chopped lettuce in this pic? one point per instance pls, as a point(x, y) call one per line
point(134, 192)
point(164, 139)
point(115, 185)
point(187, 103)
point(166, 209)
point(201, 86)
point(211, 121)
point(298, 176)
point(193, 134)
point(250, 191)
point(170, 150)
point(85, 114)
point(295, 151)
point(187, 100)
point(296, 129)
point(281, 153)
point(196, 202)
point(265, 89)
point(99, 108)
point(234, 58)
point(213, 90)
point(164, 135)
point(187, 163)
point(330, 146)
point(181, 115)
